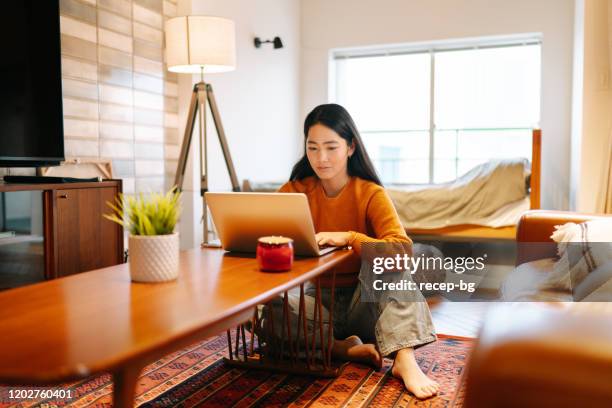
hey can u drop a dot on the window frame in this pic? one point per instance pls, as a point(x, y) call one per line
point(432, 48)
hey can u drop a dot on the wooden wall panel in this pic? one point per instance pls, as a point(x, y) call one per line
point(114, 78)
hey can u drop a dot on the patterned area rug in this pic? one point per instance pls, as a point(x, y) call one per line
point(196, 376)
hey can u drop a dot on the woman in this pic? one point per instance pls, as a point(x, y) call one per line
point(349, 206)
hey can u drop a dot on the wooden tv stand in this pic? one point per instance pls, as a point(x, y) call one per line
point(76, 236)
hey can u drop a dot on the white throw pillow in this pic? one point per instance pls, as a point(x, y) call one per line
point(596, 286)
point(563, 234)
point(581, 249)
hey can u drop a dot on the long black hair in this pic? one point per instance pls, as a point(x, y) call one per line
point(340, 121)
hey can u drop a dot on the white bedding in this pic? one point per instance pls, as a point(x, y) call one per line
point(506, 215)
point(492, 194)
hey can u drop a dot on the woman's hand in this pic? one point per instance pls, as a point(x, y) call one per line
point(333, 238)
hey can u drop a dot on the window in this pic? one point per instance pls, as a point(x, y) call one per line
point(429, 115)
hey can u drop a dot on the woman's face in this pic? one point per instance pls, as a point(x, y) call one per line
point(327, 152)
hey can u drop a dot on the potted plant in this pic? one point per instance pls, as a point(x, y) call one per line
point(153, 244)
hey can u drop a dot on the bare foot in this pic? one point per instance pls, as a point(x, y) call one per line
point(406, 369)
point(353, 349)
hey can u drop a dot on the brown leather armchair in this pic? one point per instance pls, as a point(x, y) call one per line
point(542, 354)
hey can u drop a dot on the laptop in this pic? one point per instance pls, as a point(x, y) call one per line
point(242, 218)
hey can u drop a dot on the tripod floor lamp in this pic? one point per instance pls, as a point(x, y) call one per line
point(202, 44)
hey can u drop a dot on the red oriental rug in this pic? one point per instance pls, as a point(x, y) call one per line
point(196, 376)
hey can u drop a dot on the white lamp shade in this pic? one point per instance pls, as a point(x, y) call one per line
point(193, 42)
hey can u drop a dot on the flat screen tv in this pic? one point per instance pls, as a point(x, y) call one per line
point(31, 123)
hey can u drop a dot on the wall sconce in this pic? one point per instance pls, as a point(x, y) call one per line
point(277, 42)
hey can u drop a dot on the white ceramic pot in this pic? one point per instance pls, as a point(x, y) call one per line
point(153, 258)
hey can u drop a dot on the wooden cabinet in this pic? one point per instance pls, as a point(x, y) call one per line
point(77, 238)
point(83, 239)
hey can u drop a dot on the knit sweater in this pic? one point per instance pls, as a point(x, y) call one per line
point(362, 208)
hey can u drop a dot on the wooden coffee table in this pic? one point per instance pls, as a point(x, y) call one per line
point(99, 321)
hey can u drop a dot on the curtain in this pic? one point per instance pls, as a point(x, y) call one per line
point(605, 203)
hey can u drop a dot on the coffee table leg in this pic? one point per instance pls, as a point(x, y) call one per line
point(124, 386)
point(330, 322)
point(272, 360)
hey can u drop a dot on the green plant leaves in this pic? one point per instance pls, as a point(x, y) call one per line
point(156, 214)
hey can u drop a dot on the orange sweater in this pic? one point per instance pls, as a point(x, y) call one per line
point(362, 208)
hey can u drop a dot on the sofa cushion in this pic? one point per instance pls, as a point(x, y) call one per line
point(596, 286)
point(524, 283)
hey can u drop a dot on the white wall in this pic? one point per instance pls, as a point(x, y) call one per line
point(258, 102)
point(592, 103)
point(328, 24)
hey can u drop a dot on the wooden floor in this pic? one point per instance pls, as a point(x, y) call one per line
point(459, 318)
point(465, 318)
